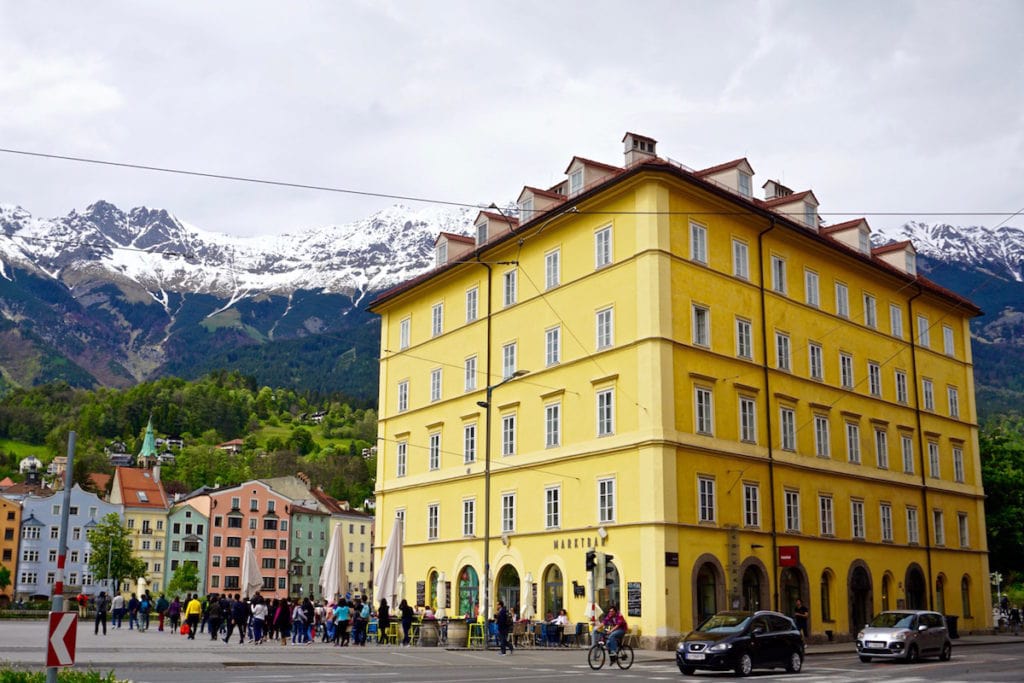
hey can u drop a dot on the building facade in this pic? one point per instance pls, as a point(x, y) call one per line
point(188, 525)
point(309, 548)
point(10, 535)
point(40, 543)
point(250, 512)
point(738, 403)
point(357, 532)
point(145, 506)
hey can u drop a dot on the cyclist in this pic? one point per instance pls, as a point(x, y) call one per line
point(615, 626)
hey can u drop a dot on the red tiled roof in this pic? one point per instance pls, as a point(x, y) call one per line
point(845, 225)
point(133, 481)
point(327, 501)
point(305, 510)
point(637, 135)
point(795, 197)
point(895, 246)
point(544, 193)
point(591, 162)
point(721, 167)
point(499, 217)
point(5, 482)
point(99, 481)
point(455, 237)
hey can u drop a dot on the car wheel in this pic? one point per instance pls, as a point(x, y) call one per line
point(686, 670)
point(795, 663)
point(947, 652)
point(912, 655)
point(865, 659)
point(744, 666)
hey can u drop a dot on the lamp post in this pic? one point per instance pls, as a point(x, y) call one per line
point(486, 405)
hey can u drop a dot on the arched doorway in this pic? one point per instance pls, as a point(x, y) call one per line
point(915, 588)
point(753, 580)
point(940, 594)
point(965, 596)
point(509, 587)
point(826, 599)
point(553, 589)
point(706, 591)
point(792, 586)
point(469, 592)
point(886, 591)
point(860, 596)
point(432, 589)
point(610, 593)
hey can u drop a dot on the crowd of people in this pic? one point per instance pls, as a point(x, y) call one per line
point(256, 620)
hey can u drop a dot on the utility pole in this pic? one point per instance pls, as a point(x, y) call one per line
point(62, 548)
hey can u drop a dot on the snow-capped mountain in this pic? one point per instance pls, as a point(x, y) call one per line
point(999, 251)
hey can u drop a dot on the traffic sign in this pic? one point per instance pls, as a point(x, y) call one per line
point(60, 644)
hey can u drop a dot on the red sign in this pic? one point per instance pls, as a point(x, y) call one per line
point(60, 643)
point(789, 555)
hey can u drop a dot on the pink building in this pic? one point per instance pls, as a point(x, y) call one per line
point(250, 512)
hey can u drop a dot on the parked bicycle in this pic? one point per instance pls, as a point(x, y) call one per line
point(597, 654)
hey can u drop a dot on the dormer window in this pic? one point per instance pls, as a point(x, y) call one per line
point(744, 184)
point(441, 254)
point(911, 263)
point(525, 210)
point(810, 215)
point(576, 181)
point(143, 498)
point(864, 242)
point(481, 233)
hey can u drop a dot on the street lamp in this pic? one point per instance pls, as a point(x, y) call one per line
point(486, 405)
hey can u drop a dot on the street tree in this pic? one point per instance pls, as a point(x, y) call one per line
point(5, 578)
point(184, 580)
point(111, 547)
point(1002, 470)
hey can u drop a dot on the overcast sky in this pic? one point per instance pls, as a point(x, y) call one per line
point(877, 106)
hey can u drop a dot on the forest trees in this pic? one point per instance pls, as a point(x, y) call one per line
point(1002, 470)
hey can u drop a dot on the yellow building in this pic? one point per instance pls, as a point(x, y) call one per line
point(145, 514)
point(740, 404)
point(10, 534)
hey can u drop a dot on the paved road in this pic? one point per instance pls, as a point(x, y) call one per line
point(155, 657)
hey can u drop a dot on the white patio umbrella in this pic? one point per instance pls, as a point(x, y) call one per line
point(141, 587)
point(526, 609)
point(391, 566)
point(332, 576)
point(442, 596)
point(252, 579)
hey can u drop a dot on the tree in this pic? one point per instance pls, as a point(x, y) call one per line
point(5, 578)
point(184, 580)
point(1002, 470)
point(111, 547)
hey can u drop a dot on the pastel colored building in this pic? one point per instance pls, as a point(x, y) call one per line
point(40, 543)
point(10, 534)
point(250, 512)
point(188, 525)
point(309, 548)
point(145, 507)
point(738, 402)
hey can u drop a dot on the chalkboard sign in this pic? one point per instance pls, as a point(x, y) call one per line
point(421, 593)
point(534, 596)
point(633, 599)
point(447, 594)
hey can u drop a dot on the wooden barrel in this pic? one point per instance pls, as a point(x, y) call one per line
point(458, 633)
point(429, 633)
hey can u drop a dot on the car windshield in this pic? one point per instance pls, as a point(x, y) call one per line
point(893, 620)
point(724, 623)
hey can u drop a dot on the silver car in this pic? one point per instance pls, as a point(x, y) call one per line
point(905, 634)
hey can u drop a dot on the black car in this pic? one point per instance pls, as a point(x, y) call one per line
point(742, 641)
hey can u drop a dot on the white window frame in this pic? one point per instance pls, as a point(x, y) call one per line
point(792, 510)
point(469, 374)
point(870, 311)
point(928, 394)
point(435, 385)
point(826, 515)
point(553, 507)
point(706, 499)
point(469, 517)
point(748, 419)
point(401, 458)
point(885, 517)
point(605, 406)
point(403, 396)
point(816, 361)
point(603, 247)
point(913, 526)
point(404, 327)
point(509, 287)
point(606, 500)
point(934, 460)
point(434, 451)
point(874, 378)
point(953, 400)
point(787, 428)
point(751, 505)
point(938, 527)
point(902, 396)
point(907, 453)
point(698, 243)
point(553, 346)
point(948, 341)
point(703, 410)
point(743, 183)
point(857, 525)
point(924, 332)
point(853, 443)
point(846, 379)
point(437, 320)
point(508, 434)
point(896, 320)
point(604, 328)
point(553, 425)
point(553, 268)
point(481, 233)
point(469, 443)
point(963, 529)
point(433, 521)
point(958, 464)
point(812, 288)
point(822, 437)
point(778, 270)
point(472, 304)
point(740, 259)
point(508, 512)
point(575, 181)
point(700, 317)
point(783, 353)
point(881, 448)
point(842, 300)
point(744, 339)
point(508, 359)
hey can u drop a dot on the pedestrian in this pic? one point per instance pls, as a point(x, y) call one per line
point(282, 620)
point(383, 621)
point(193, 613)
point(174, 614)
point(406, 613)
point(801, 615)
point(361, 619)
point(117, 610)
point(161, 610)
point(214, 616)
point(239, 619)
point(83, 605)
point(503, 620)
point(342, 617)
point(259, 618)
point(298, 623)
point(145, 607)
point(310, 612)
point(101, 613)
point(133, 612)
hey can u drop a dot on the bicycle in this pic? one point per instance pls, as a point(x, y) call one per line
point(597, 653)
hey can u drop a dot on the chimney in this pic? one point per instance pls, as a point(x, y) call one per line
point(156, 473)
point(638, 148)
point(773, 189)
